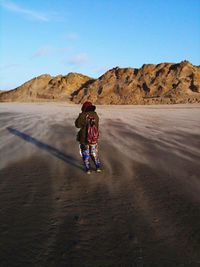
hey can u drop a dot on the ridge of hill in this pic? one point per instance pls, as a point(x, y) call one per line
point(152, 83)
point(45, 87)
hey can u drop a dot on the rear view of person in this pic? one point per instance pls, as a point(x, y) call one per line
point(88, 135)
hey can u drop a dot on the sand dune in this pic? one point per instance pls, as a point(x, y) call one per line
point(143, 210)
point(164, 83)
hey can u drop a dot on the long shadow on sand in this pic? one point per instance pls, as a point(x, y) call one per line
point(51, 150)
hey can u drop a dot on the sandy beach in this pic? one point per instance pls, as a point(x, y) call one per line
point(143, 210)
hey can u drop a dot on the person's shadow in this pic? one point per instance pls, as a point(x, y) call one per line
point(51, 150)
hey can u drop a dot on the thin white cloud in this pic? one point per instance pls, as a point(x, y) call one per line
point(102, 69)
point(65, 49)
point(9, 66)
point(24, 11)
point(78, 59)
point(73, 36)
point(43, 51)
point(50, 50)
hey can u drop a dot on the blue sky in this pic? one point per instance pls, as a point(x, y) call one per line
point(92, 36)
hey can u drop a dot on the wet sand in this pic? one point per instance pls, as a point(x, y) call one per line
point(143, 210)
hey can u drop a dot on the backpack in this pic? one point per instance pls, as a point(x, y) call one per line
point(92, 130)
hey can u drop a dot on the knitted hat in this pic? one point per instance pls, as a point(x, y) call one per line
point(86, 105)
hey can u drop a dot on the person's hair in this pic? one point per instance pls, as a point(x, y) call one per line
point(86, 105)
point(90, 108)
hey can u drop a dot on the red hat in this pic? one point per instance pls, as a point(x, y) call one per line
point(86, 105)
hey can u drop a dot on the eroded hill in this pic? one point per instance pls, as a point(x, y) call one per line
point(152, 83)
point(46, 87)
point(161, 83)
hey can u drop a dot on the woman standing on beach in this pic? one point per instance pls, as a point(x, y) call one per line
point(88, 135)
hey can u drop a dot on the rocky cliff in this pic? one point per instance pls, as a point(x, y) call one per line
point(46, 87)
point(161, 83)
